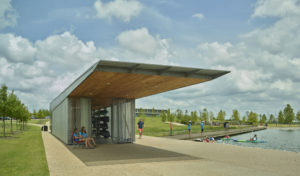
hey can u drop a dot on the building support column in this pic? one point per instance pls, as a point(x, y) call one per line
point(85, 114)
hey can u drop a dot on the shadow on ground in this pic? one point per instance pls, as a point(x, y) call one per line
point(109, 154)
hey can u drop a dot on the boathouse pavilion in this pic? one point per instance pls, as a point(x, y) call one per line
point(115, 86)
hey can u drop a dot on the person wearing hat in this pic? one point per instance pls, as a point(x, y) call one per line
point(190, 128)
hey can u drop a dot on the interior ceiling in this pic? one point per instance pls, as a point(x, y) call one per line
point(102, 87)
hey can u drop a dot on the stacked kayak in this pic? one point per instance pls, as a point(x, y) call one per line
point(256, 141)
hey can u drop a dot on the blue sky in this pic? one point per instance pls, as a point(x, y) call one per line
point(224, 20)
point(45, 45)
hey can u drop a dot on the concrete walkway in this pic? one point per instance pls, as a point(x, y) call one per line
point(180, 158)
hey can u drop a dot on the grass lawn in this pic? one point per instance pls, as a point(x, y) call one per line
point(273, 125)
point(16, 129)
point(23, 154)
point(155, 127)
point(38, 121)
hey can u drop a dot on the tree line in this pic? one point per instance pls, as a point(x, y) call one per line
point(41, 113)
point(285, 116)
point(11, 106)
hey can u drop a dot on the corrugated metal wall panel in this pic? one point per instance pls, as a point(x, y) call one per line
point(85, 110)
point(123, 120)
point(60, 121)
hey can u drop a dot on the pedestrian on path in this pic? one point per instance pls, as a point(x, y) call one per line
point(190, 128)
point(202, 127)
point(171, 128)
point(140, 127)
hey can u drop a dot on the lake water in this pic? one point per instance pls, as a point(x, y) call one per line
point(280, 139)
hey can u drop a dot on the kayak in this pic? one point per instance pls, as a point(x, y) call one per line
point(256, 141)
point(199, 140)
point(226, 139)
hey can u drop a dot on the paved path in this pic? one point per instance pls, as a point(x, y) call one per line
point(215, 134)
point(205, 159)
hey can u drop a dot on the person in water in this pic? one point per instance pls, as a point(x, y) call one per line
point(212, 140)
point(254, 138)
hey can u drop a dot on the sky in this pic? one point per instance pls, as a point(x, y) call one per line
point(46, 45)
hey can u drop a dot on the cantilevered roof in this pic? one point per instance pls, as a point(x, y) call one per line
point(106, 80)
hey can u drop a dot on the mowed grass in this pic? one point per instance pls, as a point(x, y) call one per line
point(16, 129)
point(283, 125)
point(38, 121)
point(23, 154)
point(153, 126)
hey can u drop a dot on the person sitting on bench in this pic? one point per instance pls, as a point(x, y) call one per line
point(85, 136)
point(79, 139)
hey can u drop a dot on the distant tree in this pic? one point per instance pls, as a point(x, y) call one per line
point(172, 117)
point(221, 115)
point(288, 114)
point(280, 117)
point(259, 117)
point(40, 114)
point(235, 115)
point(12, 103)
point(186, 117)
point(263, 119)
point(169, 115)
point(179, 115)
point(298, 116)
point(252, 117)
point(271, 119)
point(211, 116)
point(153, 112)
point(244, 120)
point(194, 116)
point(204, 115)
point(247, 114)
point(163, 116)
point(141, 113)
point(34, 113)
point(3, 105)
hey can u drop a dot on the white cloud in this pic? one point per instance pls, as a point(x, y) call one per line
point(39, 71)
point(286, 85)
point(65, 52)
point(140, 46)
point(123, 10)
point(16, 49)
point(138, 41)
point(199, 16)
point(8, 16)
point(276, 8)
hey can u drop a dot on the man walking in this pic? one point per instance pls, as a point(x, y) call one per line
point(202, 127)
point(140, 127)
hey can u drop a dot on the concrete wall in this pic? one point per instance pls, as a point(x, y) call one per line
point(60, 121)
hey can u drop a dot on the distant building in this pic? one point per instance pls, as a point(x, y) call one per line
point(149, 112)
